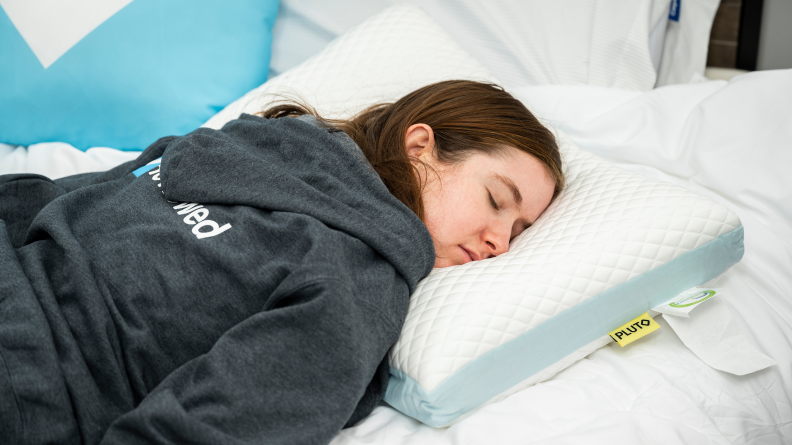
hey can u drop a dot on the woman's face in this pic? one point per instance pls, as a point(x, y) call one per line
point(474, 209)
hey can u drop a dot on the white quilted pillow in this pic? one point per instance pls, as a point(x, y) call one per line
point(612, 246)
point(389, 55)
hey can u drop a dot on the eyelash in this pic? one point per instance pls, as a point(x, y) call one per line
point(492, 201)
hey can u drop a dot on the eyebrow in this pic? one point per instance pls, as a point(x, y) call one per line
point(510, 185)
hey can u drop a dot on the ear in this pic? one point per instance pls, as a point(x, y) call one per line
point(419, 141)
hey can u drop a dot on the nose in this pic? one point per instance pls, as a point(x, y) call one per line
point(496, 242)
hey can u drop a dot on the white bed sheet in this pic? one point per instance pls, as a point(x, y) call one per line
point(58, 159)
point(731, 141)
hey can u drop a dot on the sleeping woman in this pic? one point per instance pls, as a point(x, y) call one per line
point(244, 285)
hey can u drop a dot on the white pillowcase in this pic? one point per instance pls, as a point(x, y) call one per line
point(382, 59)
point(523, 42)
point(687, 43)
point(612, 246)
point(536, 42)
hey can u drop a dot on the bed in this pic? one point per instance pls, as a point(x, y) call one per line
point(729, 141)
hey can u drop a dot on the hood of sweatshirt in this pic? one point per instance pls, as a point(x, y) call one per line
point(295, 165)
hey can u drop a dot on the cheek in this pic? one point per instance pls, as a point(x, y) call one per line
point(451, 221)
point(451, 215)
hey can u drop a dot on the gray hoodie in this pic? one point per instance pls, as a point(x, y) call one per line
point(240, 285)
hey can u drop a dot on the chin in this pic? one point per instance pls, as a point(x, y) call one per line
point(445, 262)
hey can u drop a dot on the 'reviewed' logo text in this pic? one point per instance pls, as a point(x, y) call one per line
point(196, 214)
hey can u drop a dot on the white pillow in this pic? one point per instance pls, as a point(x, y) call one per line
point(523, 42)
point(382, 59)
point(611, 247)
point(687, 42)
point(536, 42)
point(659, 24)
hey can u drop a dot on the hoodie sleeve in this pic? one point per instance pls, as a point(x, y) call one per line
point(23, 195)
point(154, 151)
point(291, 374)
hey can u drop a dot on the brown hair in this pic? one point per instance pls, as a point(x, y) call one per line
point(465, 116)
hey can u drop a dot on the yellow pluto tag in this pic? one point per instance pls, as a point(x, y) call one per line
point(634, 330)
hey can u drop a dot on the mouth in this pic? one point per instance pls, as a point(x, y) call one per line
point(466, 256)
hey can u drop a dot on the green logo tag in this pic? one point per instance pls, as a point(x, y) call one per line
point(693, 299)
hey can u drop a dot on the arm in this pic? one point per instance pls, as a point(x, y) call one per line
point(154, 151)
point(291, 374)
point(23, 195)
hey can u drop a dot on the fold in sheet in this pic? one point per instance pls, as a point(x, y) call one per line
point(713, 335)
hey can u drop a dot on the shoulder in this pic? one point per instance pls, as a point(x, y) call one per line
point(359, 282)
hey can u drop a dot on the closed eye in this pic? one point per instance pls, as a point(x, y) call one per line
point(492, 201)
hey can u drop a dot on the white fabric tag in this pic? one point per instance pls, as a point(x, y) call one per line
point(713, 335)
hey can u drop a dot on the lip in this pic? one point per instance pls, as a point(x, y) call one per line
point(468, 256)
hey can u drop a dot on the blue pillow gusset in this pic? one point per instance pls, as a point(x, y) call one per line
point(502, 368)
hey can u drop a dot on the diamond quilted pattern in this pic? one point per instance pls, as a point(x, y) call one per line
point(380, 60)
point(607, 227)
